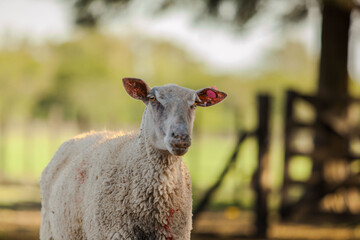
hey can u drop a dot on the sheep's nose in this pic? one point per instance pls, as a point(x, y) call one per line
point(180, 140)
point(180, 137)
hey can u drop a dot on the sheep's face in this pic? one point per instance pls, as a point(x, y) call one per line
point(170, 112)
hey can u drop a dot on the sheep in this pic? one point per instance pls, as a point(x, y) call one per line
point(114, 185)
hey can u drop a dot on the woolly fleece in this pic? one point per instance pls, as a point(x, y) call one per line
point(110, 185)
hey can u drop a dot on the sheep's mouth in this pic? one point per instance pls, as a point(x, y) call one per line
point(179, 151)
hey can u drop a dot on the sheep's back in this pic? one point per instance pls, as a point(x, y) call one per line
point(66, 154)
point(65, 179)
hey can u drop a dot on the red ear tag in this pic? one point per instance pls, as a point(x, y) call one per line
point(211, 94)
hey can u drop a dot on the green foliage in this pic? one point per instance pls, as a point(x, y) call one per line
point(80, 80)
point(20, 75)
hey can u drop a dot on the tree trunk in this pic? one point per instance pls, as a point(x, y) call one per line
point(333, 78)
point(332, 94)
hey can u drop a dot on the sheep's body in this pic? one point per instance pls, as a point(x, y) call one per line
point(108, 186)
point(127, 186)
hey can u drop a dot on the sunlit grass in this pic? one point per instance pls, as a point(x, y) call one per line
point(28, 154)
point(11, 194)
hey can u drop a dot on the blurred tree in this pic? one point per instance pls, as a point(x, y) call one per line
point(88, 12)
point(86, 75)
point(333, 76)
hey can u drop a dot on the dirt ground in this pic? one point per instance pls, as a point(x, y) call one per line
point(24, 225)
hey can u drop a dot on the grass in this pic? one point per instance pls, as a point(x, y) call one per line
point(29, 149)
point(24, 225)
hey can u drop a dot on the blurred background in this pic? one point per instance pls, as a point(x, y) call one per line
point(279, 159)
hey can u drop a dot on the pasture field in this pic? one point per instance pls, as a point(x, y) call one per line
point(24, 225)
point(26, 150)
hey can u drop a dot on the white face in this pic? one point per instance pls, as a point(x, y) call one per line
point(170, 111)
point(170, 116)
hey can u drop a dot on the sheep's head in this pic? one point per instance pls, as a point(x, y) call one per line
point(170, 112)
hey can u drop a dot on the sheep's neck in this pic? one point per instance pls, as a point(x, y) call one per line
point(163, 184)
point(156, 156)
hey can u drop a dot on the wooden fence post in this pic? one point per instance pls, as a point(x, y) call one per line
point(284, 208)
point(263, 144)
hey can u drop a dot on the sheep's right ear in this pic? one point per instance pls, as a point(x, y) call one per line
point(136, 88)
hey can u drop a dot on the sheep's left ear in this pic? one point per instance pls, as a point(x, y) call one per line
point(209, 97)
point(136, 88)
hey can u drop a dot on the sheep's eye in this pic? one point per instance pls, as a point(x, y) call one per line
point(152, 98)
point(194, 105)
